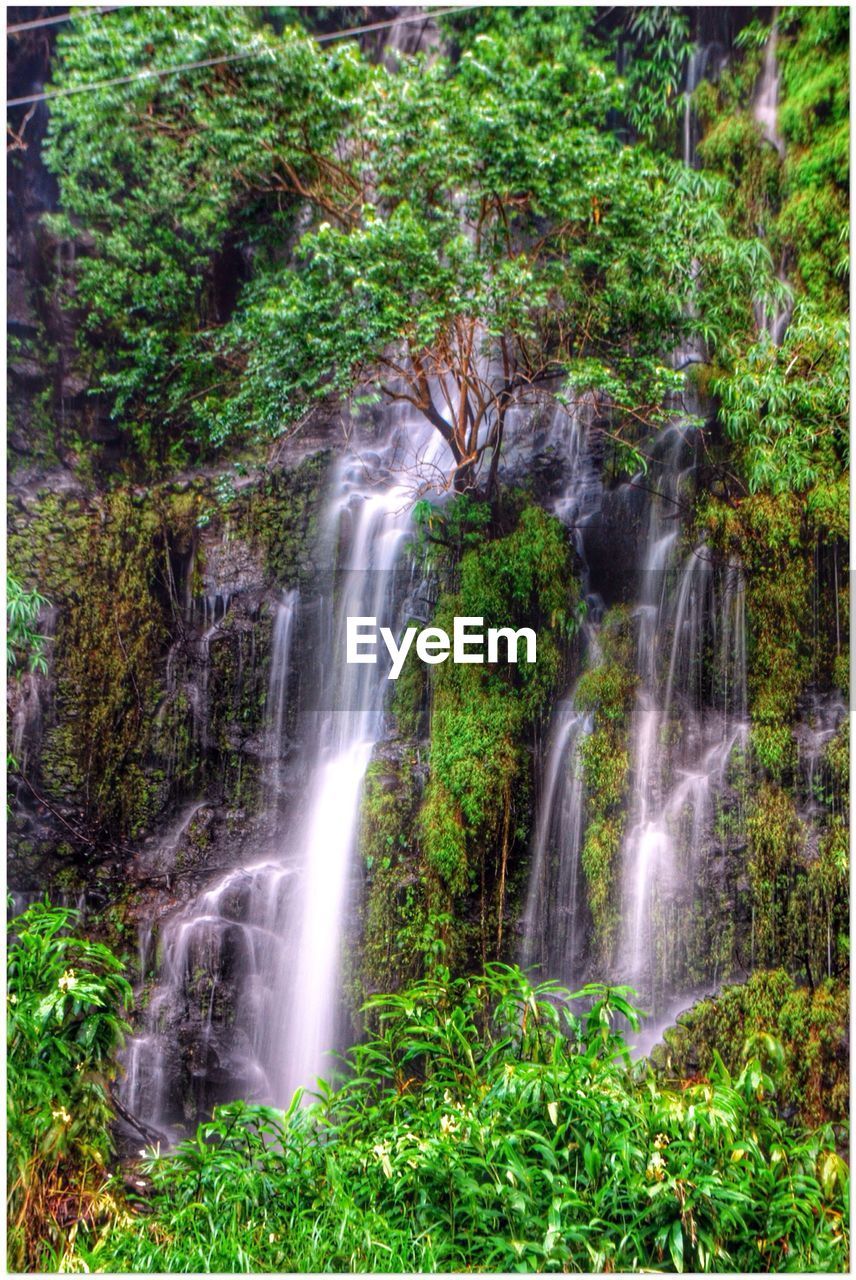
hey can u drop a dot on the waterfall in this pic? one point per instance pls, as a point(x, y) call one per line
point(552, 923)
point(765, 105)
point(696, 64)
point(688, 726)
point(690, 716)
point(276, 702)
point(765, 111)
point(247, 998)
point(350, 723)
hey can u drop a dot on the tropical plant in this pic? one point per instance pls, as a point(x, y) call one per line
point(492, 1125)
point(477, 235)
point(64, 1027)
point(210, 164)
point(24, 645)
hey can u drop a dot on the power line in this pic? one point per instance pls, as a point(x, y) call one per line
point(61, 17)
point(219, 61)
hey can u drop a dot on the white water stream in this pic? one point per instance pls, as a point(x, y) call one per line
point(249, 970)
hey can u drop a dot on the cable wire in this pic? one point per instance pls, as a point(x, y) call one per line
point(61, 17)
point(219, 61)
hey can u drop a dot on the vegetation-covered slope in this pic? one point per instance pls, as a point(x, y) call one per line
point(241, 254)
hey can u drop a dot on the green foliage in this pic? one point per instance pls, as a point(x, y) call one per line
point(606, 691)
point(64, 1027)
point(394, 916)
point(480, 208)
point(786, 410)
point(809, 1024)
point(775, 841)
point(787, 407)
point(205, 169)
point(109, 641)
point(481, 714)
point(489, 1126)
point(279, 517)
point(800, 898)
point(815, 121)
point(661, 44)
point(768, 535)
point(24, 646)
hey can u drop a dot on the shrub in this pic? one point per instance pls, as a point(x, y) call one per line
point(63, 1030)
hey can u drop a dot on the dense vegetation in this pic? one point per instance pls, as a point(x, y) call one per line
point(63, 1027)
point(300, 231)
point(474, 211)
point(486, 1125)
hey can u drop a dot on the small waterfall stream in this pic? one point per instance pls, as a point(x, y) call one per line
point(246, 1000)
point(553, 923)
point(688, 726)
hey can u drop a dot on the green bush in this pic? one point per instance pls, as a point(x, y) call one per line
point(810, 1025)
point(64, 1028)
point(490, 1125)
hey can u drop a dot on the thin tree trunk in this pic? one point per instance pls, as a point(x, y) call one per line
point(506, 824)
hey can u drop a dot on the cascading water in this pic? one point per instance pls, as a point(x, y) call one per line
point(350, 722)
point(553, 918)
point(688, 728)
point(765, 111)
point(765, 106)
point(690, 717)
point(276, 703)
point(552, 923)
point(247, 1000)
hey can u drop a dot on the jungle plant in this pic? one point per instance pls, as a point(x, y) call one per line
point(492, 1125)
point(478, 236)
point(64, 1027)
point(514, 571)
point(24, 645)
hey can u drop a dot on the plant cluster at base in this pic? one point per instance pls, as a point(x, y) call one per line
point(492, 1125)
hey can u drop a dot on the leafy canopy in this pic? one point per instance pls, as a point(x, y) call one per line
point(457, 234)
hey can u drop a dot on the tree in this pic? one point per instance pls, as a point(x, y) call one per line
point(473, 232)
point(505, 244)
point(167, 210)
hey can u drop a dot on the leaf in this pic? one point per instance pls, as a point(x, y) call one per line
point(676, 1246)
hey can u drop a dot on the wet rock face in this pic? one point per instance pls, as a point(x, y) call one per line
point(610, 540)
point(203, 735)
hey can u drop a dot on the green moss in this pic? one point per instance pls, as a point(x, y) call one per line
point(775, 841)
point(114, 751)
point(394, 905)
point(768, 534)
point(798, 204)
point(280, 518)
point(733, 145)
point(111, 632)
point(814, 116)
point(606, 693)
point(811, 1026)
point(837, 759)
point(409, 700)
point(475, 818)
